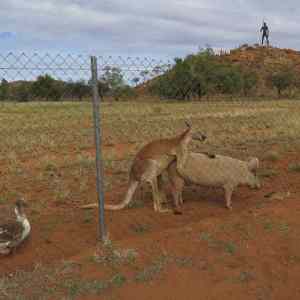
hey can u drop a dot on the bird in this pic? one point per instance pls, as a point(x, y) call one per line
point(14, 232)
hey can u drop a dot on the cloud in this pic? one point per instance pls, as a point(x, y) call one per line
point(157, 27)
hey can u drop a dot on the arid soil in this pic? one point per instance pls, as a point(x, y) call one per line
point(208, 252)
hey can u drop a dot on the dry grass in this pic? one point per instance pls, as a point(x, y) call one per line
point(62, 281)
point(52, 144)
point(48, 148)
point(38, 128)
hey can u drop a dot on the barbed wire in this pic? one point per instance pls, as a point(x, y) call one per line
point(26, 67)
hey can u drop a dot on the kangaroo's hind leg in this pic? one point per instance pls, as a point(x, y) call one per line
point(156, 196)
point(151, 174)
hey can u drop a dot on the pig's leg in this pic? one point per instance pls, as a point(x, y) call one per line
point(228, 194)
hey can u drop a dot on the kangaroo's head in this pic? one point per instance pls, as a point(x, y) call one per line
point(189, 135)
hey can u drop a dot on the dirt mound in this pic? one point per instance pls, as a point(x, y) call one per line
point(262, 59)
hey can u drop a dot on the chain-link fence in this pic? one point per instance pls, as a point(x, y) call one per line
point(27, 77)
point(47, 140)
point(54, 132)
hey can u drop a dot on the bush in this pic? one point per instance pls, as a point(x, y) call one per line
point(112, 84)
point(47, 88)
point(282, 80)
point(4, 90)
point(228, 79)
point(124, 92)
point(22, 92)
point(77, 90)
point(196, 76)
point(249, 82)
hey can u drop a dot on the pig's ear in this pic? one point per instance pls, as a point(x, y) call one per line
point(253, 164)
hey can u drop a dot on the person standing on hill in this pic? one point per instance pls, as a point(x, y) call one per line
point(265, 33)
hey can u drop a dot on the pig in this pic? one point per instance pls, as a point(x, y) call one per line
point(212, 171)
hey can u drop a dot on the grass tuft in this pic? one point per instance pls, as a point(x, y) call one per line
point(272, 156)
point(294, 167)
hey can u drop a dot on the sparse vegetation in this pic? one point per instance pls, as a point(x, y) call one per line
point(228, 246)
point(272, 225)
point(271, 156)
point(52, 146)
point(140, 228)
point(118, 280)
point(151, 272)
point(108, 254)
point(268, 225)
point(284, 227)
point(88, 217)
point(245, 277)
point(184, 262)
point(294, 167)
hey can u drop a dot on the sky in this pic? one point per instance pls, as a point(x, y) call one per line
point(156, 28)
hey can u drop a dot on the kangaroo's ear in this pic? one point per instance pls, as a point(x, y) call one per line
point(188, 124)
point(253, 164)
point(187, 134)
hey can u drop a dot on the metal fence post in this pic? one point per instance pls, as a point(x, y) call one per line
point(99, 167)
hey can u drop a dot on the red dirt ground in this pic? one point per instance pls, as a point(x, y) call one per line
point(264, 265)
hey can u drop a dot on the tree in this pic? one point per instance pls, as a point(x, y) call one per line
point(113, 77)
point(23, 92)
point(282, 80)
point(47, 88)
point(228, 79)
point(204, 67)
point(183, 81)
point(199, 75)
point(249, 81)
point(125, 91)
point(111, 82)
point(4, 90)
point(80, 89)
